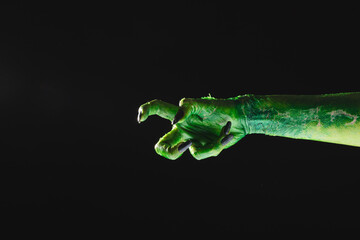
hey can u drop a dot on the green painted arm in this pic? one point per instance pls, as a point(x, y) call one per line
point(208, 125)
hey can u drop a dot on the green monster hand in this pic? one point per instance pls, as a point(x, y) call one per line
point(206, 126)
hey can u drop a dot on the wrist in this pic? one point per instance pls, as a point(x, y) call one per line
point(260, 112)
point(244, 109)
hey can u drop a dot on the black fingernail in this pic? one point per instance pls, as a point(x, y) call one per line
point(178, 116)
point(139, 116)
point(227, 139)
point(184, 146)
point(227, 128)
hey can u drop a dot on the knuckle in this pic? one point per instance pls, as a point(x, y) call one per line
point(144, 108)
point(160, 148)
point(163, 150)
point(216, 154)
point(196, 155)
point(171, 157)
point(154, 101)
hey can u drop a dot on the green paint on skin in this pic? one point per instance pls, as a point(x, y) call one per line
point(330, 118)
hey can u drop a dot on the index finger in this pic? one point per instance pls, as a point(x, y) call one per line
point(157, 107)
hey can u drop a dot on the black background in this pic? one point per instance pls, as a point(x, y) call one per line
point(73, 156)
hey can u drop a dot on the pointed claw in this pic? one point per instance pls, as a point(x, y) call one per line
point(227, 139)
point(184, 146)
point(139, 116)
point(178, 116)
point(227, 128)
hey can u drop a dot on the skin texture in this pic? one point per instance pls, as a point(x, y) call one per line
point(208, 125)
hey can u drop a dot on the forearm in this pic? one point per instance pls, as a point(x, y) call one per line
point(330, 118)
